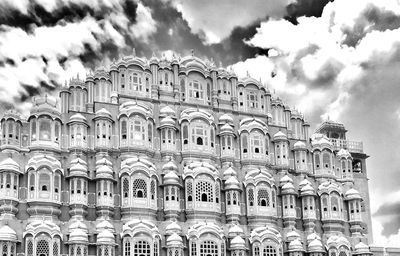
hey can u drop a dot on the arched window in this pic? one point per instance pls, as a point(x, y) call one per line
point(189, 191)
point(141, 248)
point(139, 188)
point(324, 203)
point(326, 159)
point(44, 182)
point(334, 203)
point(32, 182)
point(183, 90)
point(123, 130)
point(42, 248)
point(152, 190)
point(204, 192)
point(150, 132)
point(244, 143)
point(44, 129)
point(263, 197)
point(317, 161)
point(185, 134)
point(208, 248)
point(250, 197)
point(127, 247)
point(269, 251)
point(125, 187)
point(196, 90)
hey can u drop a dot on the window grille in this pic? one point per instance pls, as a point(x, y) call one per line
point(153, 190)
point(251, 197)
point(127, 248)
point(269, 251)
point(208, 248)
point(141, 248)
point(56, 249)
point(139, 188)
point(189, 189)
point(42, 248)
point(263, 197)
point(194, 249)
point(30, 248)
point(204, 192)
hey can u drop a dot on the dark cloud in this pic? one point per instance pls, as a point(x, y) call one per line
point(390, 215)
point(306, 8)
point(372, 18)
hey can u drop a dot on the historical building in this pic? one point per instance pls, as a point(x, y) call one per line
point(173, 158)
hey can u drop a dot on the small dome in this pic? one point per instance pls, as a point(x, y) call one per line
point(173, 227)
point(320, 141)
point(105, 237)
point(225, 118)
point(362, 248)
point(103, 113)
point(78, 169)
point(299, 145)
point(103, 161)
point(292, 235)
point(229, 172)
point(77, 224)
point(269, 115)
point(9, 164)
point(288, 188)
point(174, 238)
point(167, 111)
point(104, 225)
point(295, 246)
point(104, 171)
point(304, 182)
point(237, 241)
point(171, 178)
point(280, 136)
point(315, 246)
point(77, 118)
point(235, 230)
point(307, 190)
point(78, 236)
point(232, 183)
point(343, 153)
point(167, 121)
point(8, 234)
point(352, 194)
point(170, 166)
point(313, 236)
point(285, 179)
point(226, 128)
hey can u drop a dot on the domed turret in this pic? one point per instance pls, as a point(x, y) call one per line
point(299, 145)
point(295, 246)
point(280, 136)
point(238, 243)
point(172, 228)
point(8, 234)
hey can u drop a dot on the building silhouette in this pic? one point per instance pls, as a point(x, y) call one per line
point(177, 157)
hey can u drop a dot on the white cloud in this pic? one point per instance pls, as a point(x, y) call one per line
point(145, 25)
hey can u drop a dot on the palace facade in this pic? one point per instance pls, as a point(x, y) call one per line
point(172, 158)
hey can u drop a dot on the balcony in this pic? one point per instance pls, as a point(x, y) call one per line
point(351, 146)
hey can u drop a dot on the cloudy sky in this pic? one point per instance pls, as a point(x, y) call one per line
point(331, 59)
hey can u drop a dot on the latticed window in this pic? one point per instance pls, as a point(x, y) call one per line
point(5, 249)
point(217, 192)
point(127, 248)
point(29, 248)
point(263, 197)
point(228, 198)
point(204, 192)
point(139, 188)
point(106, 251)
point(125, 187)
point(78, 251)
point(251, 197)
point(42, 248)
point(273, 198)
point(56, 249)
point(153, 189)
point(269, 251)
point(208, 248)
point(194, 249)
point(142, 248)
point(85, 251)
point(235, 200)
point(156, 247)
point(256, 251)
point(189, 190)
point(199, 133)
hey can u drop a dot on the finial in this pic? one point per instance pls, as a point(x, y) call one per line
point(247, 73)
point(220, 64)
point(192, 52)
point(134, 52)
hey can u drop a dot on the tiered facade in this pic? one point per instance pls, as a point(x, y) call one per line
point(172, 158)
